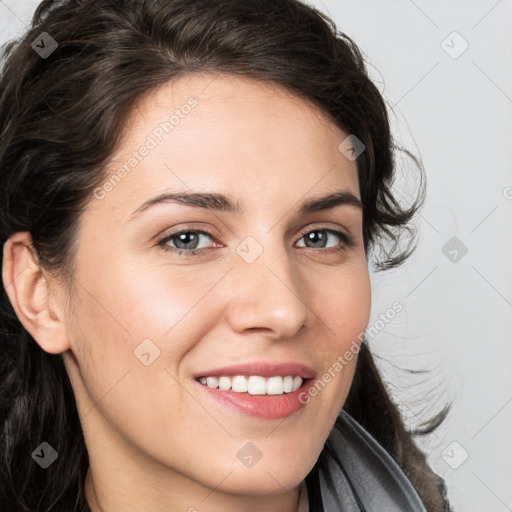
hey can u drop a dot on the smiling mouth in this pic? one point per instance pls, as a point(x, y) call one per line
point(254, 384)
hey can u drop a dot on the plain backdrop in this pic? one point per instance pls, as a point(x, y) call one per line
point(445, 69)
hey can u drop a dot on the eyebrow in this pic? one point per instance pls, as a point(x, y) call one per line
point(224, 203)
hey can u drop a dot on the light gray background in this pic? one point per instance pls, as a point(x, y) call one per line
point(455, 111)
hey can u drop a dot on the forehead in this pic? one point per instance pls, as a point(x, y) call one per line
point(243, 136)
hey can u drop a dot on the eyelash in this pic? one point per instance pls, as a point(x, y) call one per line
point(347, 241)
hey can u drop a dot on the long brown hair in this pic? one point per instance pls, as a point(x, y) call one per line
point(61, 117)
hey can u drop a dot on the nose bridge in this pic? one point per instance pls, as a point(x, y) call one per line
point(266, 290)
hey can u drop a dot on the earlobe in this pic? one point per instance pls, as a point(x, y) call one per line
point(29, 293)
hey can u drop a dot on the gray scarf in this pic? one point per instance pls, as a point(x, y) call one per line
point(355, 474)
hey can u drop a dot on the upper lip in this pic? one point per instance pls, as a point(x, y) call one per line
point(263, 369)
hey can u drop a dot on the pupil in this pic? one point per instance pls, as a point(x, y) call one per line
point(316, 235)
point(183, 239)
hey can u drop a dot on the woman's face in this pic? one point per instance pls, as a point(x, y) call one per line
point(268, 285)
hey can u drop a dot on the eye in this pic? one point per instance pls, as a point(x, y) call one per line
point(319, 238)
point(188, 242)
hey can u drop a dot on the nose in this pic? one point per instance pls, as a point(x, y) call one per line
point(267, 294)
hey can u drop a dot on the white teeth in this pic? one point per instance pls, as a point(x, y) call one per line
point(212, 382)
point(288, 384)
point(239, 384)
point(224, 383)
point(275, 386)
point(255, 384)
point(297, 383)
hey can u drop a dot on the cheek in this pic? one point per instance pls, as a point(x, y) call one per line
point(345, 306)
point(169, 295)
point(354, 305)
point(121, 317)
point(127, 313)
point(345, 310)
point(130, 303)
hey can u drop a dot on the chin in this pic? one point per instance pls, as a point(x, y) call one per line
point(263, 483)
point(272, 476)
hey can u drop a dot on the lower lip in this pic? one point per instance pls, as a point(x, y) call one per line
point(268, 407)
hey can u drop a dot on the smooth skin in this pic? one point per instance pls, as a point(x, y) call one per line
point(156, 440)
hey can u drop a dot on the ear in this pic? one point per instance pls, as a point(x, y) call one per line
point(29, 292)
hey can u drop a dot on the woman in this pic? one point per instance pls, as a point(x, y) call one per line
point(191, 193)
